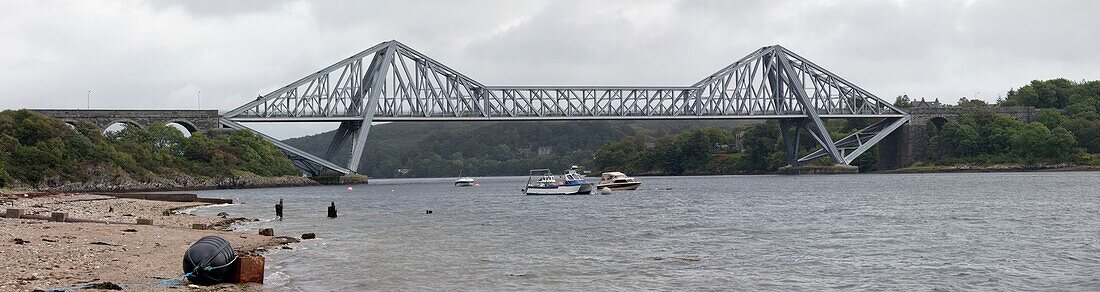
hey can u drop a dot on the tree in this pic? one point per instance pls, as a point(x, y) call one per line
point(1086, 133)
point(1062, 145)
point(963, 102)
point(903, 101)
point(1052, 93)
point(760, 144)
point(1050, 117)
point(960, 139)
point(693, 147)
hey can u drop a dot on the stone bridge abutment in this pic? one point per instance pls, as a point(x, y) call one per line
point(910, 144)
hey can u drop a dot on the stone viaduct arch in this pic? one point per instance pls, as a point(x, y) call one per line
point(192, 120)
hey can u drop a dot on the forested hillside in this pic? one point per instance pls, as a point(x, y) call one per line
point(427, 149)
point(752, 149)
point(44, 152)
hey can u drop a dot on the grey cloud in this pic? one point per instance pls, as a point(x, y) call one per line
point(219, 8)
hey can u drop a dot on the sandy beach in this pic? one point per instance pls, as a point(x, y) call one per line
point(42, 255)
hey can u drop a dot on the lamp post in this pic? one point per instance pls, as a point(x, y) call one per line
point(88, 99)
point(198, 98)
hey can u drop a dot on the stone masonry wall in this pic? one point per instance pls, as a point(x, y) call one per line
point(193, 120)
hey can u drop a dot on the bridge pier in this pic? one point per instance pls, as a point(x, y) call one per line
point(833, 169)
point(791, 131)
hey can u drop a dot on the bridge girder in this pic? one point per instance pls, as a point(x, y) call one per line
point(391, 82)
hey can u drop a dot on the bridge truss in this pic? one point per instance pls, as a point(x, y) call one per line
point(391, 82)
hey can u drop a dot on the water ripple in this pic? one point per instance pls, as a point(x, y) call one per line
point(924, 232)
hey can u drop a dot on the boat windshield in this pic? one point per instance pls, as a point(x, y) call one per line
point(613, 176)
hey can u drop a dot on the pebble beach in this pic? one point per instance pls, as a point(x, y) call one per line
point(44, 255)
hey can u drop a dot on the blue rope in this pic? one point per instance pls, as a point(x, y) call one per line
point(171, 282)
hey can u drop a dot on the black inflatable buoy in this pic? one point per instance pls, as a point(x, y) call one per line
point(332, 210)
point(208, 260)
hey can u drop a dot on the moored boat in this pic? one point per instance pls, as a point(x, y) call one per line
point(617, 181)
point(571, 178)
point(465, 182)
point(547, 184)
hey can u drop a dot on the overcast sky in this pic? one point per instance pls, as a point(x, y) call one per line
point(154, 54)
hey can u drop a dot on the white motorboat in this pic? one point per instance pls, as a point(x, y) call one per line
point(465, 182)
point(547, 184)
point(617, 181)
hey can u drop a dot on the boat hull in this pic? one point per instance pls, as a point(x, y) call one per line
point(585, 189)
point(560, 190)
point(464, 184)
point(630, 186)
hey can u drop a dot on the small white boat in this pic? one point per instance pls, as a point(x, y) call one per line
point(465, 182)
point(617, 181)
point(548, 185)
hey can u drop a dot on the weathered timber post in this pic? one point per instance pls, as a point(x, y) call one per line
point(279, 209)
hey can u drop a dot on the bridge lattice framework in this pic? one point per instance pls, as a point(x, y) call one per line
point(391, 82)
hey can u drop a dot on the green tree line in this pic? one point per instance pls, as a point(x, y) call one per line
point(1066, 128)
point(36, 150)
point(713, 150)
point(503, 149)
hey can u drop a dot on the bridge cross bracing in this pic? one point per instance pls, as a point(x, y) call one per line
point(391, 82)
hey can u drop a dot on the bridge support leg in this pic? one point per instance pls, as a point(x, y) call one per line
point(821, 134)
point(347, 129)
point(791, 130)
point(816, 126)
point(373, 82)
point(861, 141)
point(305, 161)
point(359, 144)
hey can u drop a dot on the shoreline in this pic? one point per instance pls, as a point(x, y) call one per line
point(989, 169)
point(44, 255)
point(907, 170)
point(166, 185)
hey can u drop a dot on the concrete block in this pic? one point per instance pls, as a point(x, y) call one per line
point(14, 213)
point(59, 216)
point(310, 235)
point(144, 221)
point(199, 226)
point(267, 232)
point(247, 269)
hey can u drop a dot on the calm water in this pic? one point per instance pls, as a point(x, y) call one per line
point(1013, 231)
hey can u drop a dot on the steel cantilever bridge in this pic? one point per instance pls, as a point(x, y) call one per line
point(391, 82)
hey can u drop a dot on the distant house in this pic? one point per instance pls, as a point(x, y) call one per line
point(650, 145)
point(404, 171)
point(525, 151)
point(924, 104)
point(545, 151)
